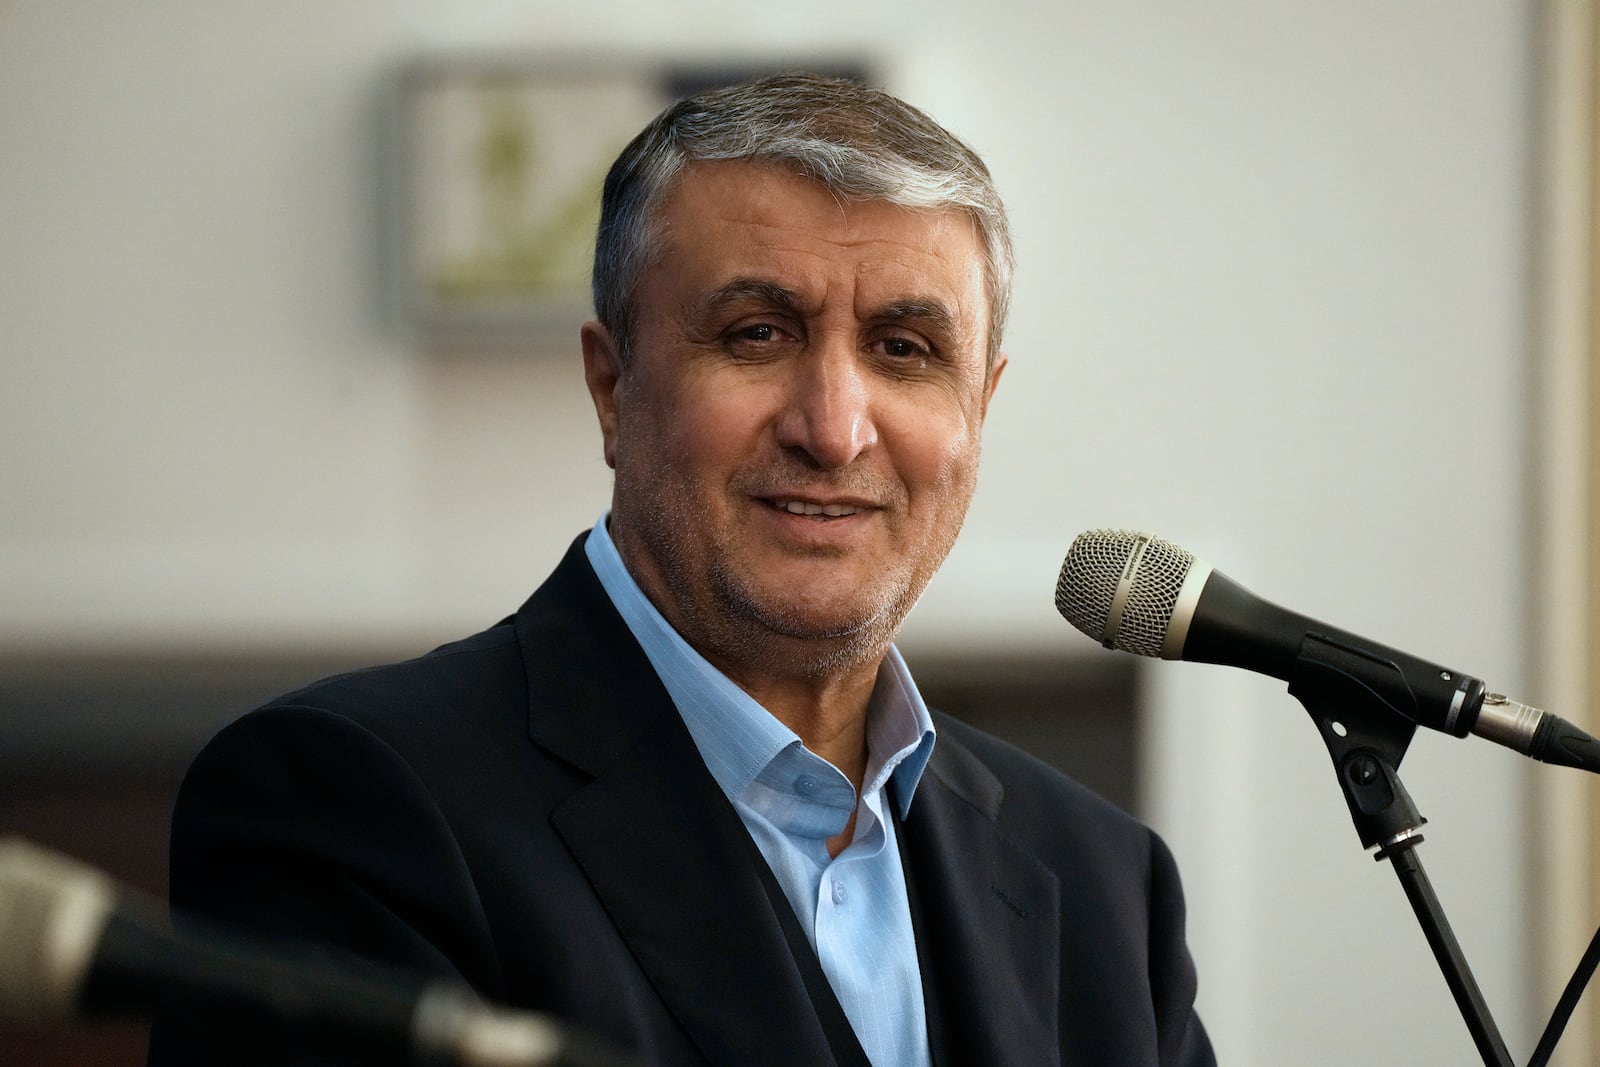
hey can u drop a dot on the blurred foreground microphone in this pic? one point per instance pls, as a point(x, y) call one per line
point(72, 944)
point(1141, 594)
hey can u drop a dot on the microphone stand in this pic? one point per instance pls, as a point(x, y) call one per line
point(1367, 738)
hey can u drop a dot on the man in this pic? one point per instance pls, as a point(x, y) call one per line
point(688, 796)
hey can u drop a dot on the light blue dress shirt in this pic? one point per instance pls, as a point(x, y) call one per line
point(853, 907)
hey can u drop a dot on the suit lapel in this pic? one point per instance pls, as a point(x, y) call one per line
point(671, 863)
point(661, 846)
point(988, 920)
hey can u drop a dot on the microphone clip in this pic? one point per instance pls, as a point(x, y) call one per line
point(1352, 699)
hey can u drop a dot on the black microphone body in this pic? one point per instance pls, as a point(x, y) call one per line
point(1139, 593)
point(1233, 627)
point(144, 967)
point(74, 945)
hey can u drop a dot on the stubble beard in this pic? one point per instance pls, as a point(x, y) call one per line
point(775, 636)
point(744, 627)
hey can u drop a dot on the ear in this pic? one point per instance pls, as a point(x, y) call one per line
point(994, 380)
point(602, 373)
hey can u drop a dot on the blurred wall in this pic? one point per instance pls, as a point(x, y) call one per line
point(1271, 303)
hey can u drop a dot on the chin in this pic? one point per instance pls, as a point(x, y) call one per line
point(867, 615)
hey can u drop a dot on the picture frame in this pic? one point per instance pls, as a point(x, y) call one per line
point(498, 164)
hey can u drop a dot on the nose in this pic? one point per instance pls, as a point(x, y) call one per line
point(827, 408)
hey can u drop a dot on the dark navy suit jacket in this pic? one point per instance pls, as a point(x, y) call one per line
point(525, 809)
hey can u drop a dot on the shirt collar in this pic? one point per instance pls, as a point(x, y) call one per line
point(736, 736)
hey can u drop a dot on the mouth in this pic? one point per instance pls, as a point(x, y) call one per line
point(811, 507)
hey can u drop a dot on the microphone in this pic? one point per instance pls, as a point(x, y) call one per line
point(72, 944)
point(1141, 594)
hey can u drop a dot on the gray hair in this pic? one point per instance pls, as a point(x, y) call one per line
point(861, 143)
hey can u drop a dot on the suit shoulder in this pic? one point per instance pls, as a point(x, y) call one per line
point(454, 674)
point(421, 708)
point(436, 730)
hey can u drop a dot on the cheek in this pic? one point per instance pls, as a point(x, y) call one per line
point(959, 475)
point(701, 435)
point(722, 429)
point(937, 453)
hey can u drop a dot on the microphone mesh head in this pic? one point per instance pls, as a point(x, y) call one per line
point(1092, 571)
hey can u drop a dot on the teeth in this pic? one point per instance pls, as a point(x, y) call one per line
point(801, 507)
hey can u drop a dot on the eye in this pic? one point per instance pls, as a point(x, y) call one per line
point(902, 349)
point(754, 338)
point(759, 333)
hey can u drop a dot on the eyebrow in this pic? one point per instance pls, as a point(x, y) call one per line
point(935, 314)
point(742, 289)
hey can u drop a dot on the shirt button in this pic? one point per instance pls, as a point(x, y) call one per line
point(805, 785)
point(839, 892)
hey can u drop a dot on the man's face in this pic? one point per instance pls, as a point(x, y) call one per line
point(796, 435)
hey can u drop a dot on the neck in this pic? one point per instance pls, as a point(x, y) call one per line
point(816, 684)
point(828, 714)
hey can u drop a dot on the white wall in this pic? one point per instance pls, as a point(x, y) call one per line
point(1271, 304)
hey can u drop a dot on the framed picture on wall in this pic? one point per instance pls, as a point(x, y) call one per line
point(497, 163)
